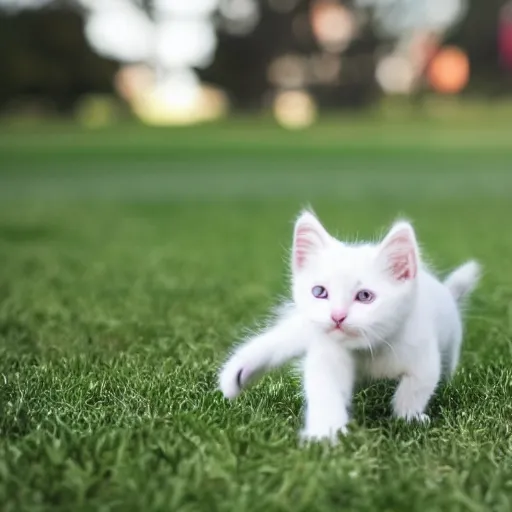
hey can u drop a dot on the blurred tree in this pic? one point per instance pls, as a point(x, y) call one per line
point(44, 54)
point(478, 36)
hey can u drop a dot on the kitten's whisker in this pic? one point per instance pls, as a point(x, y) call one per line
point(391, 347)
point(375, 333)
point(365, 337)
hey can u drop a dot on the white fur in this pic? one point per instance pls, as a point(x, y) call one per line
point(412, 331)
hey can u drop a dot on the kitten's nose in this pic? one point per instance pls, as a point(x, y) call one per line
point(338, 316)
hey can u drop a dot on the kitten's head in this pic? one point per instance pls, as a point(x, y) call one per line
point(358, 294)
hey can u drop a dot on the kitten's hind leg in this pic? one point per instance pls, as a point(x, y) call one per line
point(417, 387)
point(451, 358)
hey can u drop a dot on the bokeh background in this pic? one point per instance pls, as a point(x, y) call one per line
point(175, 62)
point(153, 156)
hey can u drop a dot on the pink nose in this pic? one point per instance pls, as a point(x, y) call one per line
point(338, 316)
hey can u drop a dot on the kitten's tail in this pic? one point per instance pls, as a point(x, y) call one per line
point(463, 280)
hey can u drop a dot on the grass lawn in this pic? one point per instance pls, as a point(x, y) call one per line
point(131, 259)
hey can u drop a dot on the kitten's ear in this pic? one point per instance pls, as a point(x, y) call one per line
point(399, 252)
point(309, 236)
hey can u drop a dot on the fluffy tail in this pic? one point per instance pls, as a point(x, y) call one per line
point(463, 280)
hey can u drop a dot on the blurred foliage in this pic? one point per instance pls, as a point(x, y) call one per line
point(45, 55)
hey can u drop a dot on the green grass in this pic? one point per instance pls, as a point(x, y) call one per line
point(131, 259)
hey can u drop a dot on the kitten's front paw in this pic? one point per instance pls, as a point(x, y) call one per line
point(233, 378)
point(412, 417)
point(330, 434)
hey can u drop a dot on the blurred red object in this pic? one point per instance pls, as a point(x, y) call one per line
point(505, 35)
point(448, 72)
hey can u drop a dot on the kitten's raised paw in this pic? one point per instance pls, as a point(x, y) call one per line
point(233, 378)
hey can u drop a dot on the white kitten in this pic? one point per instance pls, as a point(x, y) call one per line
point(365, 310)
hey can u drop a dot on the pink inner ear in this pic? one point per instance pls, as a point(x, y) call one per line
point(403, 267)
point(402, 261)
point(306, 240)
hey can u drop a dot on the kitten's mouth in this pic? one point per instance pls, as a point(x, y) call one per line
point(343, 329)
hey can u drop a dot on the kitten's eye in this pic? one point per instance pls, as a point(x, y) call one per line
point(365, 296)
point(319, 292)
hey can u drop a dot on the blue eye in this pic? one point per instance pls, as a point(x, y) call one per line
point(365, 296)
point(319, 292)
